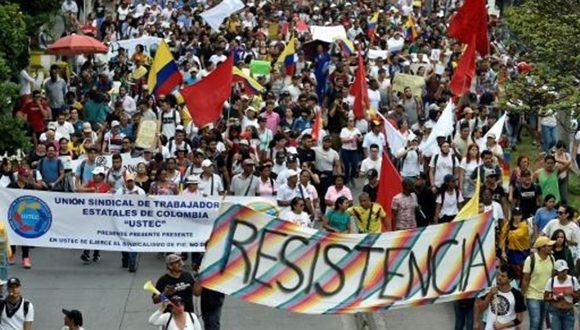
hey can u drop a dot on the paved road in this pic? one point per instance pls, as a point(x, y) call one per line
point(111, 298)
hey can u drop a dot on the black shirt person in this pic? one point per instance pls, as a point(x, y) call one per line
point(177, 282)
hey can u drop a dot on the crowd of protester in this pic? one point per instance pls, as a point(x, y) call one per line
point(264, 144)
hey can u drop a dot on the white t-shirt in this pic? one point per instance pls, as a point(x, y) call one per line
point(369, 164)
point(444, 167)
point(450, 204)
point(372, 138)
point(212, 186)
point(504, 307)
point(286, 194)
point(411, 166)
point(16, 322)
point(346, 133)
point(374, 99)
point(567, 287)
point(302, 219)
point(571, 230)
point(324, 161)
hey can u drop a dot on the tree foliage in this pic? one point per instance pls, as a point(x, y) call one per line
point(13, 39)
point(36, 13)
point(548, 32)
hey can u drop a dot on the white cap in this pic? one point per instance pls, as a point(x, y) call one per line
point(99, 170)
point(560, 265)
point(115, 123)
point(291, 173)
point(179, 128)
point(192, 179)
point(206, 163)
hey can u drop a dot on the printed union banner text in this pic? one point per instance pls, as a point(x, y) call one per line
point(267, 261)
point(114, 223)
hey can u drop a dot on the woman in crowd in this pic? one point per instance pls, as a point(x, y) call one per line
point(468, 164)
point(337, 220)
point(337, 190)
point(561, 250)
point(267, 185)
point(523, 164)
point(142, 179)
point(296, 213)
point(515, 243)
point(545, 214)
point(174, 318)
point(163, 185)
point(449, 200)
point(350, 137)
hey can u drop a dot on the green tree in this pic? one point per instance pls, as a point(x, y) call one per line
point(36, 13)
point(548, 32)
point(13, 57)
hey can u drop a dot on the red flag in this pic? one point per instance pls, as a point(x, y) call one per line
point(465, 71)
point(389, 186)
point(301, 26)
point(360, 90)
point(205, 99)
point(471, 18)
point(316, 127)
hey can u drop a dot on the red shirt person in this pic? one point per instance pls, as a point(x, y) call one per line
point(35, 113)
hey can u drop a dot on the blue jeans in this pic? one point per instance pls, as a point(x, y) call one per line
point(561, 319)
point(512, 133)
point(463, 315)
point(548, 138)
point(537, 313)
point(350, 161)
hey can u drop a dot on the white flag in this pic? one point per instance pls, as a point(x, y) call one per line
point(395, 139)
point(497, 128)
point(444, 126)
point(215, 16)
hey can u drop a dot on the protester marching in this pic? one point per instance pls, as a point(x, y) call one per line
point(366, 124)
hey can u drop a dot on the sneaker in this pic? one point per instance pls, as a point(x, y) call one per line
point(96, 258)
point(132, 268)
point(26, 263)
point(85, 258)
point(12, 260)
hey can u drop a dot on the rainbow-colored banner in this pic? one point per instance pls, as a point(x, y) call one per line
point(268, 261)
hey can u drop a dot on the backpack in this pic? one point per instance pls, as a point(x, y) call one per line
point(3, 305)
point(401, 161)
point(574, 300)
point(533, 262)
point(453, 160)
point(443, 193)
point(171, 317)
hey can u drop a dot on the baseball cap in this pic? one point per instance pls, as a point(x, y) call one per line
point(74, 315)
point(448, 178)
point(491, 136)
point(115, 123)
point(560, 265)
point(280, 155)
point(52, 126)
point(172, 258)
point(179, 128)
point(87, 127)
point(192, 179)
point(291, 158)
point(206, 163)
point(99, 170)
point(129, 176)
point(543, 241)
point(249, 162)
point(13, 281)
point(291, 173)
point(326, 138)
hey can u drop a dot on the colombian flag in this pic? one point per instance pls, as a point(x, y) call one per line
point(346, 46)
point(251, 86)
point(372, 27)
point(288, 57)
point(164, 75)
point(410, 30)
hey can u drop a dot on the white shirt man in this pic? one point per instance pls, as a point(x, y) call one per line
point(442, 164)
point(245, 183)
point(210, 184)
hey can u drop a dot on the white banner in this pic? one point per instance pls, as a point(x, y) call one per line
point(114, 223)
point(106, 161)
point(328, 33)
point(148, 44)
point(216, 15)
